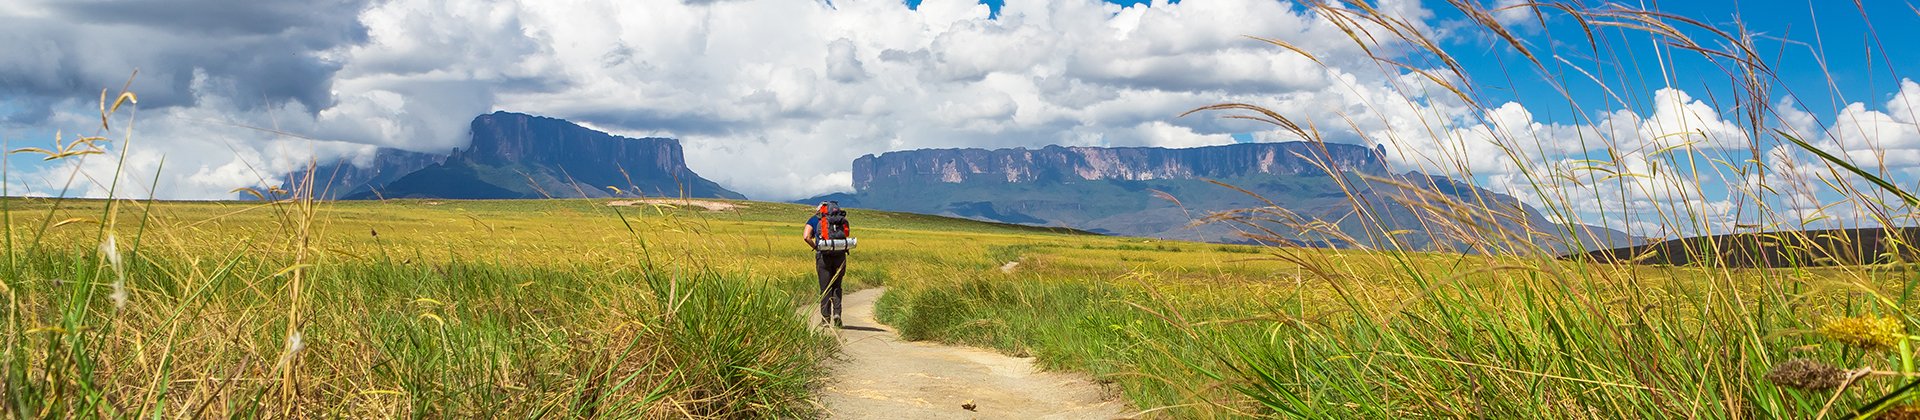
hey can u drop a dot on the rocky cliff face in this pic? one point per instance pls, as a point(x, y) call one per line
point(352, 176)
point(1055, 163)
point(516, 155)
point(1125, 191)
point(503, 138)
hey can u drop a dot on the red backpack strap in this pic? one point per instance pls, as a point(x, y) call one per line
point(820, 221)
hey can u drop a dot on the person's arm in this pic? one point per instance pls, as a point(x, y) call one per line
point(806, 235)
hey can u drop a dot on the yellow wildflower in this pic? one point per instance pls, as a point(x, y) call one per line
point(1867, 333)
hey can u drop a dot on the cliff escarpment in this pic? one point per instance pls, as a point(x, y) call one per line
point(515, 155)
point(1056, 163)
point(1331, 195)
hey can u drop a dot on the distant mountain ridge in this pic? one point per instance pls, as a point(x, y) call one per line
point(515, 155)
point(1773, 249)
point(345, 176)
point(1057, 163)
point(1160, 192)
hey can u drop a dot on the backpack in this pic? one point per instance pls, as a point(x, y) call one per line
point(833, 222)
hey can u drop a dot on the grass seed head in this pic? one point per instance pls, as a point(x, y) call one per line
point(1807, 375)
point(111, 251)
point(295, 343)
point(1865, 332)
point(1904, 412)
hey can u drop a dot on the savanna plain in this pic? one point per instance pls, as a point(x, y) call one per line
point(669, 308)
point(289, 307)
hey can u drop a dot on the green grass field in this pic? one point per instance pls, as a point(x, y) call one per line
point(461, 309)
point(411, 308)
point(575, 307)
point(580, 308)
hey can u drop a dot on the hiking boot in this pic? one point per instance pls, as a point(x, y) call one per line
point(836, 322)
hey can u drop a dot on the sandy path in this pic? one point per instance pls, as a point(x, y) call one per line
point(710, 205)
point(880, 376)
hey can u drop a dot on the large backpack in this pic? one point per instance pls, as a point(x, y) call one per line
point(833, 222)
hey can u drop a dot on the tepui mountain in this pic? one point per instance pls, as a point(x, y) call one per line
point(517, 156)
point(1134, 191)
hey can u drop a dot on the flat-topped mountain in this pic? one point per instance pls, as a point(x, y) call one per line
point(1160, 192)
point(516, 155)
point(349, 176)
point(1058, 164)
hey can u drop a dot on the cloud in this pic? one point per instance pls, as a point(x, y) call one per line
point(1513, 12)
point(1678, 168)
point(206, 69)
point(271, 51)
point(804, 89)
point(1643, 194)
point(843, 64)
point(1885, 142)
point(775, 98)
point(772, 98)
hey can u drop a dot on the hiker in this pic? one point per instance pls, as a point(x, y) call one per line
point(830, 236)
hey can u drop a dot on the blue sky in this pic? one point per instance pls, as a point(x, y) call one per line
point(995, 4)
point(797, 89)
point(1796, 35)
point(1825, 55)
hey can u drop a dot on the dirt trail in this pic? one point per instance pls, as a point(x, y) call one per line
point(880, 376)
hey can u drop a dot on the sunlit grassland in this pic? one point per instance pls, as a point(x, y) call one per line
point(1195, 332)
point(545, 309)
point(574, 306)
point(424, 308)
point(452, 308)
point(1398, 334)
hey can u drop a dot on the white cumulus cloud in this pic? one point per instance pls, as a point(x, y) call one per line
point(770, 97)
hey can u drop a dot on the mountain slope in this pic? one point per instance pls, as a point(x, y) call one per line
point(348, 177)
point(523, 156)
point(1162, 193)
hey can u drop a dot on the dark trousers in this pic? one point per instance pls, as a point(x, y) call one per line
point(832, 267)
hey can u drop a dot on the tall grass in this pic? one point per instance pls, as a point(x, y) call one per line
point(147, 315)
point(1509, 330)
